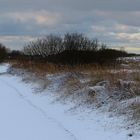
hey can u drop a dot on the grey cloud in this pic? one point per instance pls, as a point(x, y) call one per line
point(112, 21)
point(85, 5)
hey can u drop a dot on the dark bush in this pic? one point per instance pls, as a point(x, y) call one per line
point(71, 49)
point(3, 52)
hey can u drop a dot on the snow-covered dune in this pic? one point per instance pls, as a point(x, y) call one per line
point(27, 116)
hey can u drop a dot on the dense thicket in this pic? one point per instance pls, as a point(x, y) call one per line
point(53, 44)
point(72, 49)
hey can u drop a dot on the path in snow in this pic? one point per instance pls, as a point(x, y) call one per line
point(20, 120)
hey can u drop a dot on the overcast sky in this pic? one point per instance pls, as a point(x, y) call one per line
point(114, 22)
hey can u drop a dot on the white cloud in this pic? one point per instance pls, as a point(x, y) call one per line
point(16, 42)
point(130, 37)
point(41, 17)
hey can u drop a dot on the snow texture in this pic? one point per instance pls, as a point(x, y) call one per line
point(28, 116)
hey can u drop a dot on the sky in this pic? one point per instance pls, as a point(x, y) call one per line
point(114, 22)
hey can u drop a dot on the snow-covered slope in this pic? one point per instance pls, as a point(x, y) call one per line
point(28, 116)
point(21, 120)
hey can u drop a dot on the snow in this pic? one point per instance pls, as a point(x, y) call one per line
point(130, 59)
point(3, 67)
point(28, 116)
point(21, 120)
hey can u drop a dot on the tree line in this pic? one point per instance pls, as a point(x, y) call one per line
point(53, 44)
point(72, 48)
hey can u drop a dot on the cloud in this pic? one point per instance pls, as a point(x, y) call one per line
point(16, 42)
point(115, 22)
point(42, 17)
point(27, 23)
